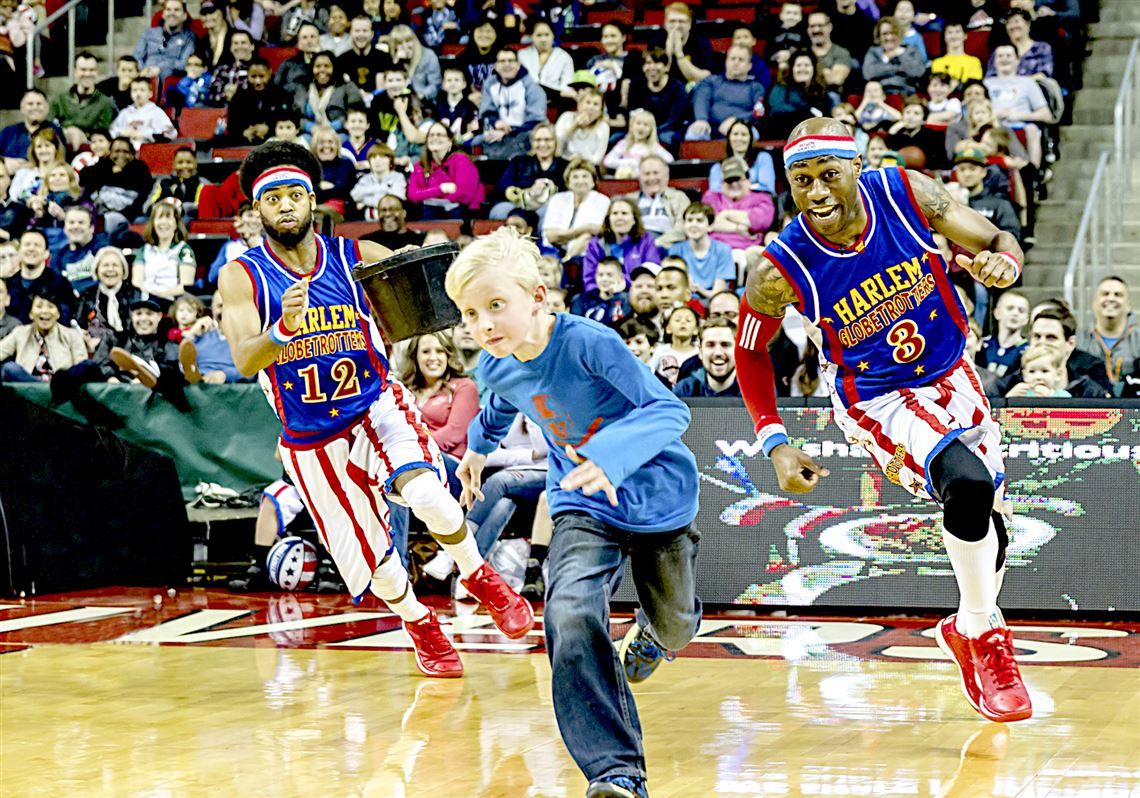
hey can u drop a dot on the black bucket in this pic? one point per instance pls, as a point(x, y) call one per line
point(406, 291)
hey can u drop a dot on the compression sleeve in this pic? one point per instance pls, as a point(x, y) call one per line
point(756, 377)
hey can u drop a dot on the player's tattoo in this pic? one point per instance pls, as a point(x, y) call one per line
point(768, 292)
point(932, 196)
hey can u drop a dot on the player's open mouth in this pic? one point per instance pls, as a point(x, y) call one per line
point(826, 214)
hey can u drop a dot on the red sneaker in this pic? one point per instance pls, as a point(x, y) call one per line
point(435, 656)
point(1003, 694)
point(510, 611)
point(956, 646)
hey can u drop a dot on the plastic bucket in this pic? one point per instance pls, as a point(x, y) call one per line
point(406, 291)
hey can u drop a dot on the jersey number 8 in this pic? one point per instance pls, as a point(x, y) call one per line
point(908, 344)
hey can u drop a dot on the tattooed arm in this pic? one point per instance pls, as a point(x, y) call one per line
point(767, 290)
point(969, 229)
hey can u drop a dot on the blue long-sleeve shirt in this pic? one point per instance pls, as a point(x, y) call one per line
point(214, 355)
point(716, 98)
point(587, 389)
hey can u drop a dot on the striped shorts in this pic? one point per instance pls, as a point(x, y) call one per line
point(905, 429)
point(343, 481)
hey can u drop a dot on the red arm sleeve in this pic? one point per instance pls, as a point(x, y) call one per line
point(755, 374)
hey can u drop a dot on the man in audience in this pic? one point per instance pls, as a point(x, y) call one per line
point(721, 100)
point(955, 61)
point(639, 337)
point(362, 62)
point(742, 215)
point(854, 29)
point(394, 232)
point(671, 289)
point(76, 259)
point(717, 375)
point(83, 108)
point(834, 61)
point(33, 352)
point(1002, 350)
point(144, 355)
point(725, 305)
point(691, 57)
point(970, 169)
point(662, 208)
point(295, 72)
point(643, 298)
point(1115, 338)
point(660, 93)
point(163, 49)
point(232, 73)
point(35, 278)
point(1018, 101)
point(16, 138)
point(513, 102)
point(118, 86)
point(204, 352)
point(255, 109)
point(1086, 375)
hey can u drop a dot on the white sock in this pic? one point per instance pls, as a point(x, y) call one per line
point(390, 585)
point(1000, 577)
point(975, 572)
point(465, 553)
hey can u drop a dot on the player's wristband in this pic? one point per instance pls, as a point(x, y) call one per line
point(280, 334)
point(771, 436)
point(1012, 259)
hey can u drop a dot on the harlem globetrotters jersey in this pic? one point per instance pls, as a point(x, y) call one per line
point(336, 366)
point(888, 316)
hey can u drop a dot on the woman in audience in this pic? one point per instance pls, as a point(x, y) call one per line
point(104, 308)
point(249, 16)
point(49, 205)
point(419, 63)
point(876, 149)
point(478, 58)
point(388, 15)
point(165, 266)
point(624, 159)
point(45, 150)
point(444, 180)
point(761, 170)
point(897, 67)
point(799, 93)
point(447, 399)
point(531, 180)
point(338, 172)
point(575, 216)
point(549, 65)
point(584, 132)
point(411, 134)
point(612, 69)
point(327, 97)
point(1035, 59)
point(118, 185)
point(622, 237)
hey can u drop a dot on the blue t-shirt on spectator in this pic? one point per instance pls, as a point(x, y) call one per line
point(716, 264)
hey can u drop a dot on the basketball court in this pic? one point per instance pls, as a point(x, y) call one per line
point(132, 693)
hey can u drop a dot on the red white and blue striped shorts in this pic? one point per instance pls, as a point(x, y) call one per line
point(904, 430)
point(343, 480)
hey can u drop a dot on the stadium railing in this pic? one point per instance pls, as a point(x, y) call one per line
point(66, 11)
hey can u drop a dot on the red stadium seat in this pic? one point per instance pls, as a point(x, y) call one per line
point(212, 227)
point(356, 229)
point(737, 14)
point(622, 15)
point(932, 40)
point(612, 188)
point(654, 16)
point(230, 153)
point(697, 184)
point(449, 226)
point(977, 45)
point(276, 55)
point(200, 123)
point(703, 150)
point(481, 227)
point(451, 49)
point(159, 158)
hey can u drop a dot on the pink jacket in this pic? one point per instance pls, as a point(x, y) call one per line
point(449, 412)
point(761, 213)
point(456, 168)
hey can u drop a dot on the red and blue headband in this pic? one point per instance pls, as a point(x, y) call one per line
point(807, 147)
point(281, 176)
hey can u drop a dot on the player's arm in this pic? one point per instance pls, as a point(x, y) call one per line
point(252, 349)
point(999, 256)
point(370, 251)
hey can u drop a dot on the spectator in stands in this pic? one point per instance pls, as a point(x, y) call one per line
point(526, 223)
point(35, 277)
point(387, 15)
point(955, 62)
point(362, 62)
point(184, 183)
point(247, 225)
point(1042, 372)
point(608, 302)
point(799, 93)
point(7, 323)
point(876, 149)
point(834, 60)
point(420, 64)
point(720, 100)
point(143, 355)
point(1035, 59)
point(609, 70)
point(297, 70)
point(49, 204)
point(742, 215)
point(1002, 349)
point(338, 173)
point(625, 157)
point(394, 232)
point(327, 97)
point(512, 103)
point(98, 146)
point(143, 121)
point(690, 55)
point(165, 266)
point(444, 180)
point(439, 25)
point(584, 132)
point(33, 352)
point(214, 45)
point(575, 216)
point(233, 73)
point(845, 113)
point(1114, 337)
point(717, 375)
point(941, 108)
point(1018, 101)
point(531, 180)
point(741, 142)
point(356, 140)
point(163, 49)
point(710, 265)
point(14, 216)
point(903, 13)
point(911, 131)
point(17, 26)
point(970, 168)
point(336, 39)
point(679, 344)
point(550, 66)
point(192, 91)
point(759, 71)
point(874, 113)
point(894, 65)
point(455, 109)
point(550, 271)
point(622, 237)
point(17, 138)
point(76, 259)
point(118, 185)
point(662, 208)
point(965, 130)
point(9, 259)
point(447, 398)
point(184, 311)
point(640, 337)
point(784, 33)
point(118, 86)
point(643, 299)
point(304, 12)
point(104, 307)
point(1085, 374)
point(663, 95)
point(204, 353)
point(378, 182)
point(254, 110)
point(45, 151)
point(853, 27)
point(480, 58)
point(83, 107)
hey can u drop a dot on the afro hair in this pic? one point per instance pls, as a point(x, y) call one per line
point(277, 153)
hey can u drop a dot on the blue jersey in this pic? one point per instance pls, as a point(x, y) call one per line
point(889, 317)
point(586, 389)
point(336, 366)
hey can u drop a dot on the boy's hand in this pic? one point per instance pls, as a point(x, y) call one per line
point(470, 473)
point(796, 472)
point(589, 477)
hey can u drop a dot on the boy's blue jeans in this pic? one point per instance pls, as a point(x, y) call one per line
point(592, 701)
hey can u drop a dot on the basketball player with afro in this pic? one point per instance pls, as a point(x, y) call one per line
point(351, 433)
point(861, 266)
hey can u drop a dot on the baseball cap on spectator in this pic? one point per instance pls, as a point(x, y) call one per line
point(971, 155)
point(147, 303)
point(734, 168)
point(209, 7)
point(583, 78)
point(894, 157)
point(645, 268)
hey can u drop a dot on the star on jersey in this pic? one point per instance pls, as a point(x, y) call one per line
point(367, 374)
point(287, 386)
point(919, 371)
point(864, 365)
point(334, 413)
point(933, 314)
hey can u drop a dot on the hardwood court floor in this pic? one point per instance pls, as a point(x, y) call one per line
point(103, 695)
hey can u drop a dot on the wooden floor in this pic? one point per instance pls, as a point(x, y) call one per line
point(88, 719)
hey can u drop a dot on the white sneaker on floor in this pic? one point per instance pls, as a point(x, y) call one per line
point(440, 566)
point(459, 592)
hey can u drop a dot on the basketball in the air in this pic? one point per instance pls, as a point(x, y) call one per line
point(915, 157)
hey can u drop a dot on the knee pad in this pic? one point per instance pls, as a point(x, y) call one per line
point(967, 492)
point(433, 504)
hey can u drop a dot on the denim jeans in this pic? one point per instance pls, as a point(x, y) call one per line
point(592, 701)
point(494, 511)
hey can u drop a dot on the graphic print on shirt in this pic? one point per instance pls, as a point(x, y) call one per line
point(557, 422)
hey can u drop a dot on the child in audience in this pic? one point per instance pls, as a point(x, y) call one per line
point(1043, 373)
point(380, 181)
point(584, 132)
point(609, 302)
point(142, 121)
point(624, 159)
point(709, 262)
point(1002, 350)
point(555, 301)
point(191, 90)
point(287, 128)
point(943, 109)
point(454, 109)
point(873, 112)
point(678, 346)
point(357, 142)
point(550, 271)
point(185, 310)
point(639, 337)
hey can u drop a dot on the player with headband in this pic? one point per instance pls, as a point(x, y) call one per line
point(351, 433)
point(860, 264)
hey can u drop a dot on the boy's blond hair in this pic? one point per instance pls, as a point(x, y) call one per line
point(513, 255)
point(1042, 351)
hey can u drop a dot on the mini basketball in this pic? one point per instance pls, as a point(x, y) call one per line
point(915, 157)
point(292, 563)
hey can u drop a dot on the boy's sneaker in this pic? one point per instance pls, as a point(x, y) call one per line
point(640, 655)
point(188, 358)
point(534, 585)
point(510, 611)
point(1003, 695)
point(956, 646)
point(617, 787)
point(254, 580)
point(435, 656)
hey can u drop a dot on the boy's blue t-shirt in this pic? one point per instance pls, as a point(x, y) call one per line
point(716, 264)
point(587, 389)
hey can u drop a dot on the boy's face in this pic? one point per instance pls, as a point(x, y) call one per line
point(195, 67)
point(938, 90)
point(912, 116)
point(641, 348)
point(356, 123)
point(1042, 376)
point(285, 129)
point(610, 279)
point(1012, 311)
point(742, 37)
point(791, 14)
point(140, 93)
point(395, 82)
point(873, 91)
point(126, 72)
point(453, 82)
point(671, 290)
point(380, 164)
point(100, 146)
point(499, 312)
point(696, 226)
point(555, 301)
point(185, 165)
point(259, 77)
point(550, 273)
